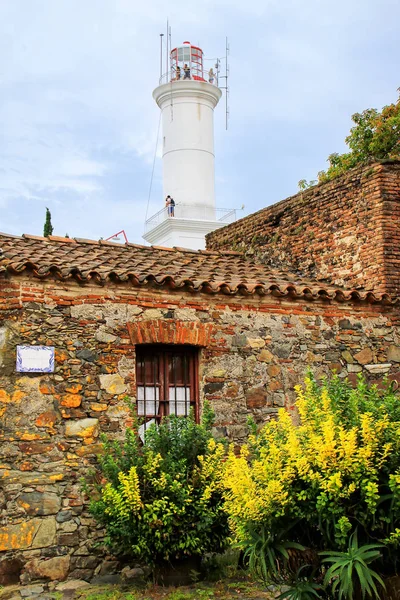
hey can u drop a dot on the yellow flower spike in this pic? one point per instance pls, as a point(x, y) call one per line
point(212, 444)
point(130, 489)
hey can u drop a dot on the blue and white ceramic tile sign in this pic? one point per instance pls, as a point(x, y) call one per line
point(35, 359)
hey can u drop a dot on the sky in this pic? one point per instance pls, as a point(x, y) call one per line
point(78, 124)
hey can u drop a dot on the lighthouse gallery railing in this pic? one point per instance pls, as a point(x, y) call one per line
point(185, 211)
point(201, 76)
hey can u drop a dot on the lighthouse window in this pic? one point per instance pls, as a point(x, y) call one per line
point(184, 54)
point(166, 382)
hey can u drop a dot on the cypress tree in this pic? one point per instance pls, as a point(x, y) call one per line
point(48, 227)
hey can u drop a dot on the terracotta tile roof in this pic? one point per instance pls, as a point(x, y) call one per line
point(198, 271)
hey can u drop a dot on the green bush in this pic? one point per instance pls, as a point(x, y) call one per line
point(314, 484)
point(162, 500)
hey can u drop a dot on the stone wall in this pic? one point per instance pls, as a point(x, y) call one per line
point(346, 231)
point(253, 350)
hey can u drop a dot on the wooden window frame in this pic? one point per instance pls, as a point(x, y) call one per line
point(157, 369)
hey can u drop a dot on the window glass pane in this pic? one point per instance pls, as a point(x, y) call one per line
point(178, 366)
point(151, 403)
point(175, 366)
point(177, 403)
point(139, 370)
point(147, 369)
point(180, 54)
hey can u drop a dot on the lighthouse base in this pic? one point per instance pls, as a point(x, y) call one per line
point(183, 233)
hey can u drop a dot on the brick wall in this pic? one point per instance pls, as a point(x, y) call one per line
point(253, 350)
point(390, 195)
point(346, 231)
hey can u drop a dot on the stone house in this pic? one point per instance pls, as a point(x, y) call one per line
point(169, 328)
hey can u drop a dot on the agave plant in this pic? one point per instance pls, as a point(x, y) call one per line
point(303, 588)
point(267, 554)
point(349, 574)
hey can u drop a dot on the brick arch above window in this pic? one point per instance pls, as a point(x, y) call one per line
point(161, 331)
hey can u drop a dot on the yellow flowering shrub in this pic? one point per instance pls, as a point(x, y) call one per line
point(163, 500)
point(337, 471)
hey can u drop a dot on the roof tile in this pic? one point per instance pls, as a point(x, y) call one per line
point(56, 238)
point(85, 241)
point(29, 236)
point(9, 235)
point(198, 271)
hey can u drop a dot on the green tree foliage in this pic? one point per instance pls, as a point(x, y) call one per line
point(48, 227)
point(375, 136)
point(162, 500)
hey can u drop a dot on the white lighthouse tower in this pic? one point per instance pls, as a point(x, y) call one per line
point(187, 96)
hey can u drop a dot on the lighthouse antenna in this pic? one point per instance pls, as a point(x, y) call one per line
point(167, 57)
point(226, 77)
point(169, 68)
point(227, 85)
point(161, 53)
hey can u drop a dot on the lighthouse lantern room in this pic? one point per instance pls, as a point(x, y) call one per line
point(187, 96)
point(189, 55)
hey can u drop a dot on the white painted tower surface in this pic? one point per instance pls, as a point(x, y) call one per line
point(188, 143)
point(187, 97)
